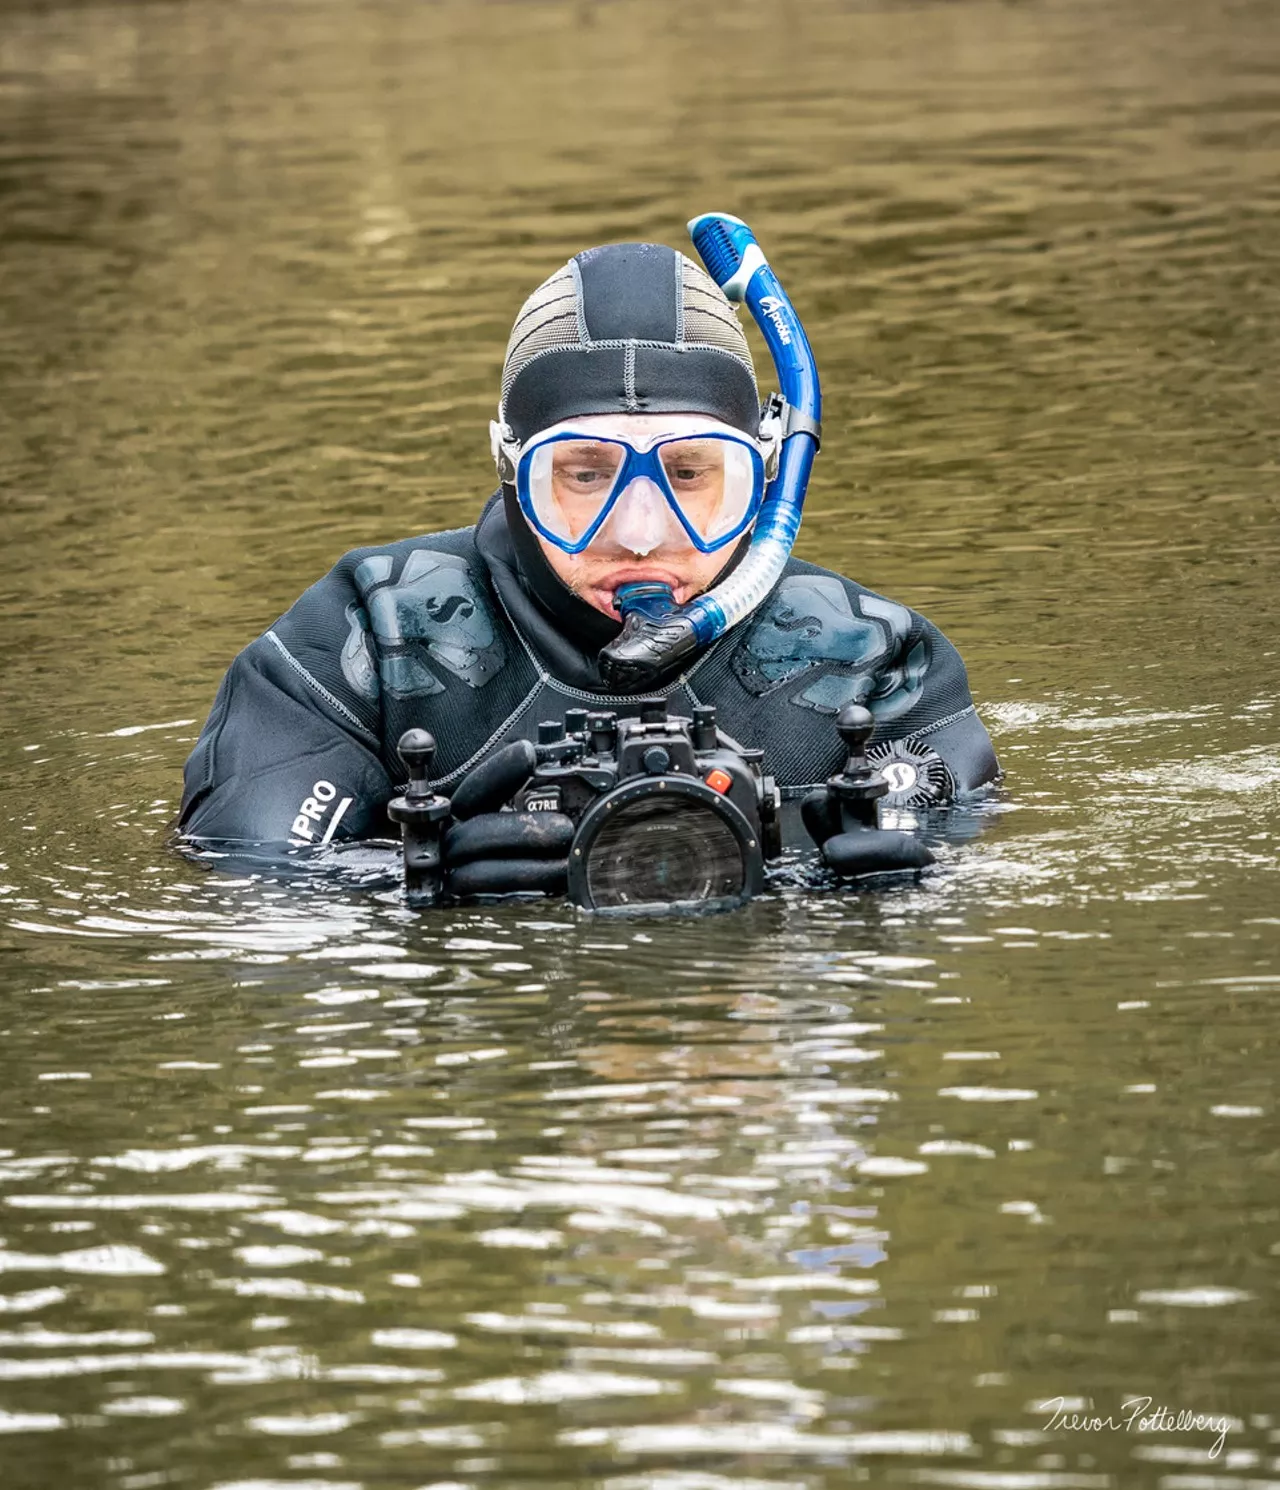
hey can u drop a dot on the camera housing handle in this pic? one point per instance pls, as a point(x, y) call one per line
point(422, 815)
point(859, 786)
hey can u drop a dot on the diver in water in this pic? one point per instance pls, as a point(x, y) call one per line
point(635, 464)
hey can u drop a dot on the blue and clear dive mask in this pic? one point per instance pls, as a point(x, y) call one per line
point(691, 478)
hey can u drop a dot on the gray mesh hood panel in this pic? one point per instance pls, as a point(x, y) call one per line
point(627, 328)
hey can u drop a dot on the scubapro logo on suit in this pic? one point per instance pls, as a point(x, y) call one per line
point(310, 827)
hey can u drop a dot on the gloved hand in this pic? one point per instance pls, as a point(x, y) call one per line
point(490, 852)
point(861, 850)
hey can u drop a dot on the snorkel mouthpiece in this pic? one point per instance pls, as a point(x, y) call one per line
point(650, 599)
point(656, 633)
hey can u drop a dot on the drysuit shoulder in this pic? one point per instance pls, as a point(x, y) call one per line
point(294, 750)
point(822, 641)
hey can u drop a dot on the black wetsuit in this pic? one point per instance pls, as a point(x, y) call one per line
point(470, 634)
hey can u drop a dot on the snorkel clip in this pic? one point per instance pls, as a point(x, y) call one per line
point(790, 420)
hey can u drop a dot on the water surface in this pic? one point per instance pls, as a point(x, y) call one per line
point(299, 1189)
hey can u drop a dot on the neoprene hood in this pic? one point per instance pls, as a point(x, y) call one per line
point(630, 328)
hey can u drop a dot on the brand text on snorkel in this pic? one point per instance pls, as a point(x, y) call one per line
point(772, 307)
point(1136, 1415)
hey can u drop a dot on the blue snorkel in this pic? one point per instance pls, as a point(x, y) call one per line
point(656, 633)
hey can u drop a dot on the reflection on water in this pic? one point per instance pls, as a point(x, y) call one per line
point(297, 1188)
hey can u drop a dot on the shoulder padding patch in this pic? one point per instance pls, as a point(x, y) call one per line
point(435, 615)
point(850, 647)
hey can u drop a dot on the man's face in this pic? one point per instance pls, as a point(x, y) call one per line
point(641, 539)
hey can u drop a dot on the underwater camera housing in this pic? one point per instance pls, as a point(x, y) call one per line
point(670, 813)
point(667, 813)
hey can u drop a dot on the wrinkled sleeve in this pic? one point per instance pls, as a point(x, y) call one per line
point(949, 720)
point(290, 753)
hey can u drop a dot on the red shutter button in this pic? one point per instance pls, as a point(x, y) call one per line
point(718, 780)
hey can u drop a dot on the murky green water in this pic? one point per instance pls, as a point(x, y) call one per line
point(301, 1190)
